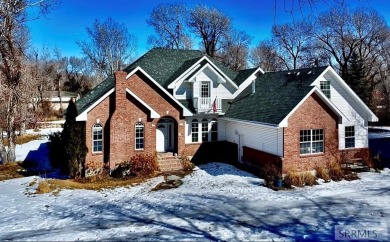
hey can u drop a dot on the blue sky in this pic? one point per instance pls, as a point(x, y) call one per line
point(67, 23)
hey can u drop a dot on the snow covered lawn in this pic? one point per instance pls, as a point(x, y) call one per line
point(216, 202)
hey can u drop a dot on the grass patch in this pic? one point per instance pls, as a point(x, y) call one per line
point(11, 171)
point(44, 187)
point(97, 183)
point(24, 139)
point(92, 183)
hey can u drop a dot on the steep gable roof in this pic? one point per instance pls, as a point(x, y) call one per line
point(93, 95)
point(276, 94)
point(164, 64)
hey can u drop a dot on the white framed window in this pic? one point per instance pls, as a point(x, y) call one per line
point(214, 130)
point(205, 130)
point(311, 141)
point(205, 89)
point(350, 137)
point(139, 136)
point(325, 88)
point(195, 130)
point(97, 138)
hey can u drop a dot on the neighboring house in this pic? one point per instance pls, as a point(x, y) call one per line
point(174, 100)
point(57, 101)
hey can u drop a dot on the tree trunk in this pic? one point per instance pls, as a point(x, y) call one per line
point(23, 121)
point(3, 151)
point(11, 157)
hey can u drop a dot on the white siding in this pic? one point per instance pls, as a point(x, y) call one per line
point(354, 114)
point(264, 138)
point(361, 136)
point(187, 90)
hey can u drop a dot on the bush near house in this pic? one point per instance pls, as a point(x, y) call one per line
point(67, 149)
point(299, 179)
point(139, 165)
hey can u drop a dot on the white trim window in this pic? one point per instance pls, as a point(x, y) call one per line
point(350, 137)
point(214, 130)
point(325, 87)
point(311, 141)
point(205, 130)
point(139, 136)
point(195, 130)
point(97, 138)
point(205, 89)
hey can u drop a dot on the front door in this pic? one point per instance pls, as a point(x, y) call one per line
point(164, 135)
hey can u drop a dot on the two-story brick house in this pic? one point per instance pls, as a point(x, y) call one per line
point(174, 100)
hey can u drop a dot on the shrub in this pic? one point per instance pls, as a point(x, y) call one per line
point(309, 179)
point(335, 171)
point(143, 164)
point(269, 172)
point(323, 173)
point(186, 163)
point(122, 170)
point(293, 179)
point(43, 187)
point(377, 162)
point(299, 179)
point(73, 136)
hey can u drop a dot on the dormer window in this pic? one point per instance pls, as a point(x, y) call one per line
point(205, 89)
point(325, 88)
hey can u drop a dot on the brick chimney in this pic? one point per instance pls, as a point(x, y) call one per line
point(120, 89)
point(119, 126)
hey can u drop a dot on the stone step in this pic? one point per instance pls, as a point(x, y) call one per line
point(164, 154)
point(168, 158)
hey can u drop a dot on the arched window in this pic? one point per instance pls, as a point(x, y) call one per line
point(214, 130)
point(205, 130)
point(139, 136)
point(97, 138)
point(195, 130)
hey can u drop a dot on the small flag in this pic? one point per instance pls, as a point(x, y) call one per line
point(215, 105)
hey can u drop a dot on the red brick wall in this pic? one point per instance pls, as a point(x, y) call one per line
point(101, 112)
point(260, 158)
point(119, 125)
point(161, 103)
point(312, 114)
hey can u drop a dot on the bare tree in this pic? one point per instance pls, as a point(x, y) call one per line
point(13, 43)
point(342, 32)
point(235, 48)
point(110, 46)
point(169, 23)
point(78, 75)
point(211, 26)
point(264, 55)
point(292, 41)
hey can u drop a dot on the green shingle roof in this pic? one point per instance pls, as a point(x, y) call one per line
point(276, 94)
point(164, 66)
point(243, 75)
point(92, 96)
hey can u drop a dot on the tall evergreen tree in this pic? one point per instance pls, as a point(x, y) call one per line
point(73, 136)
point(356, 78)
